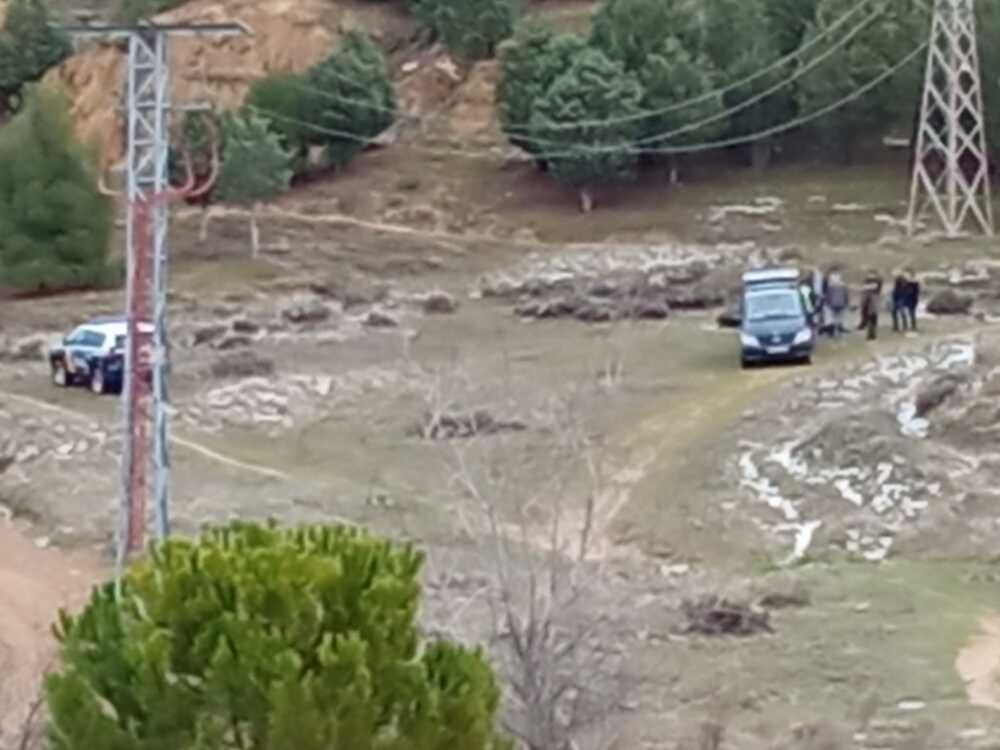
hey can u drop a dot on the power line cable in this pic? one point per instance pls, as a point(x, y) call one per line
point(656, 137)
point(747, 103)
point(673, 107)
point(586, 149)
point(775, 65)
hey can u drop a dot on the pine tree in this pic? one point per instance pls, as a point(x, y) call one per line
point(254, 636)
point(529, 64)
point(593, 89)
point(255, 167)
point(988, 20)
point(878, 47)
point(471, 29)
point(672, 75)
point(742, 39)
point(788, 20)
point(54, 222)
point(29, 46)
point(290, 108)
point(631, 30)
point(351, 99)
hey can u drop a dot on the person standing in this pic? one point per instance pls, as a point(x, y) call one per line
point(837, 298)
point(900, 289)
point(808, 301)
point(911, 298)
point(819, 300)
point(870, 300)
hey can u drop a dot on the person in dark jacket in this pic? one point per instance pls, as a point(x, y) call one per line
point(911, 298)
point(870, 299)
point(900, 289)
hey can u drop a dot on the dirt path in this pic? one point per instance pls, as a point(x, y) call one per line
point(265, 471)
point(673, 447)
point(978, 664)
point(34, 584)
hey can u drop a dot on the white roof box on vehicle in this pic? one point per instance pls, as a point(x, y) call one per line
point(780, 276)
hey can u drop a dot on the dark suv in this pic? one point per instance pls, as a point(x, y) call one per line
point(775, 323)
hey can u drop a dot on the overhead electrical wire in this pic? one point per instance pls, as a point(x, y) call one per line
point(582, 149)
point(674, 106)
point(654, 138)
point(708, 95)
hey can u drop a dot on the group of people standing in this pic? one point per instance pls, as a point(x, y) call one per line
point(828, 298)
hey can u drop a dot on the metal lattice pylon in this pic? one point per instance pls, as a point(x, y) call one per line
point(950, 168)
point(147, 176)
point(144, 390)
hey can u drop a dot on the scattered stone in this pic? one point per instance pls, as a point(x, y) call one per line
point(603, 288)
point(556, 308)
point(931, 396)
point(207, 334)
point(232, 341)
point(652, 311)
point(439, 303)
point(246, 326)
point(448, 426)
point(379, 319)
point(949, 302)
point(798, 596)
point(695, 298)
point(713, 615)
point(306, 312)
point(245, 363)
point(32, 347)
point(678, 569)
point(730, 317)
point(595, 313)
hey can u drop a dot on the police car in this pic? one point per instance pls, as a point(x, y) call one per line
point(93, 354)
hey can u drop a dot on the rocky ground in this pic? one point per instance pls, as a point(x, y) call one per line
point(340, 386)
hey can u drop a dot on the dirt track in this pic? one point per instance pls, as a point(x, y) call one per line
point(979, 665)
point(34, 584)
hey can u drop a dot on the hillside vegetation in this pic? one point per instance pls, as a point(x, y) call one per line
point(584, 96)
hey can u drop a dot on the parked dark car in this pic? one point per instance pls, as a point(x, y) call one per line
point(93, 354)
point(775, 325)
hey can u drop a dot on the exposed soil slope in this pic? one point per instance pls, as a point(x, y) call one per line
point(34, 584)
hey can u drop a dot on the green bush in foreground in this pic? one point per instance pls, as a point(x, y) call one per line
point(259, 637)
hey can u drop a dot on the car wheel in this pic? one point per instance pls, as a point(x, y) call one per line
point(744, 364)
point(59, 375)
point(97, 384)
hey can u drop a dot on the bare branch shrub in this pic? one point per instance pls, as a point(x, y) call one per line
point(561, 681)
